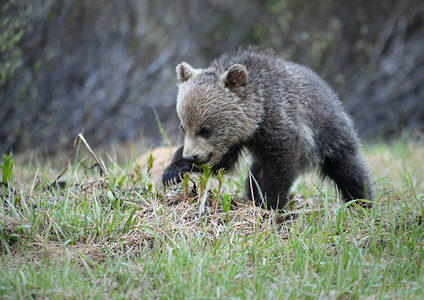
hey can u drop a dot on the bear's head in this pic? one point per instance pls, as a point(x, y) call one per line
point(216, 111)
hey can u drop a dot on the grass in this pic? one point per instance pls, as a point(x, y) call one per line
point(110, 238)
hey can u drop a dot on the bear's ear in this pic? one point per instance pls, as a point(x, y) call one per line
point(185, 72)
point(236, 76)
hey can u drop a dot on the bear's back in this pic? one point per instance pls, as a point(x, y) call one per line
point(271, 77)
point(295, 99)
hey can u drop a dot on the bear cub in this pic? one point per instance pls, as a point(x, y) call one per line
point(284, 114)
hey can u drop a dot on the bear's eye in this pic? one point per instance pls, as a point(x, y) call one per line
point(182, 129)
point(205, 132)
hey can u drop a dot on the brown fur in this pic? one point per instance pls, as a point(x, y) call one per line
point(287, 117)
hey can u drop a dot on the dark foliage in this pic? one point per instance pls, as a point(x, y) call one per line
point(104, 67)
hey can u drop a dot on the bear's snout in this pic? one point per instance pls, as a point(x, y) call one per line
point(195, 159)
point(190, 159)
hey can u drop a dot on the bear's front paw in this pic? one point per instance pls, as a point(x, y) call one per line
point(172, 176)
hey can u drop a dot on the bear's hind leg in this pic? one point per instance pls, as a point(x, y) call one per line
point(350, 175)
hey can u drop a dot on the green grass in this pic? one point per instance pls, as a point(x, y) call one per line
point(105, 238)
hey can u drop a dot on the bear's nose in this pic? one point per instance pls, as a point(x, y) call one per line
point(190, 159)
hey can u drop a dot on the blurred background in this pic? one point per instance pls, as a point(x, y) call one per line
point(107, 68)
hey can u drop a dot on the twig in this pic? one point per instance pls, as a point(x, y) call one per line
point(102, 169)
point(79, 137)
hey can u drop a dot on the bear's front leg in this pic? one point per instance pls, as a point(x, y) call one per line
point(174, 173)
point(274, 181)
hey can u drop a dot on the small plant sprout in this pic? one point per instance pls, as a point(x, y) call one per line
point(6, 169)
point(204, 178)
point(217, 191)
point(226, 202)
point(220, 179)
point(122, 179)
point(149, 188)
point(186, 179)
point(138, 177)
point(215, 196)
point(207, 173)
point(6, 173)
point(150, 160)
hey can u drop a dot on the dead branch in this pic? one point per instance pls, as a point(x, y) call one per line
point(79, 137)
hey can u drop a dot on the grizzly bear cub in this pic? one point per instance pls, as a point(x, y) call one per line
point(285, 115)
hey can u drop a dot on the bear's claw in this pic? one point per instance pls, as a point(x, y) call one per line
point(174, 175)
point(171, 176)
